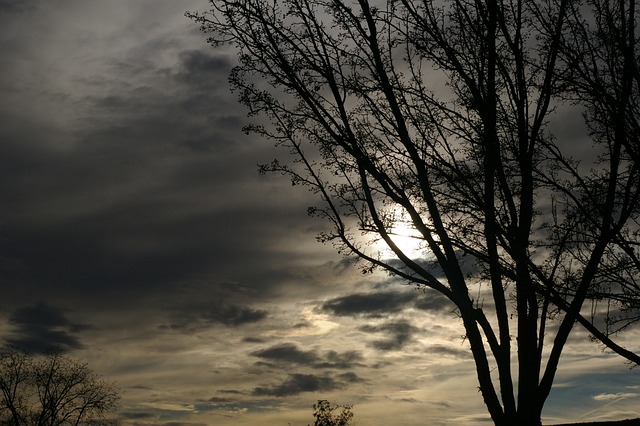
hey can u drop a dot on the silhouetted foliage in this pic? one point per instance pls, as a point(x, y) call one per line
point(448, 119)
point(327, 414)
point(52, 390)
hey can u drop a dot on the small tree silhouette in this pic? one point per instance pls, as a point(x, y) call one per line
point(52, 390)
point(327, 414)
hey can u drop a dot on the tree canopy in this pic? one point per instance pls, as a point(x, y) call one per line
point(51, 390)
point(503, 133)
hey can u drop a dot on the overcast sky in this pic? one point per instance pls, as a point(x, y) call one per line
point(136, 233)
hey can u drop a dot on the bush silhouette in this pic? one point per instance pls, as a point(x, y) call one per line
point(327, 414)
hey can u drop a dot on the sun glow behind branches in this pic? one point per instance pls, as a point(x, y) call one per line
point(405, 236)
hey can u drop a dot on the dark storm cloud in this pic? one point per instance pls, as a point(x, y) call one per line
point(139, 199)
point(299, 383)
point(80, 257)
point(377, 304)
point(287, 354)
point(398, 334)
point(41, 328)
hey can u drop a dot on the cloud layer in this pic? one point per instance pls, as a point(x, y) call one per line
point(136, 233)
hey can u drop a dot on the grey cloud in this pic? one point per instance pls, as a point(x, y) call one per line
point(350, 377)
point(449, 351)
point(145, 182)
point(432, 301)
point(299, 383)
point(369, 304)
point(135, 415)
point(228, 314)
point(143, 416)
point(205, 75)
point(124, 175)
point(200, 66)
point(183, 424)
point(234, 315)
point(41, 328)
point(409, 400)
point(115, 240)
point(343, 360)
point(253, 339)
point(226, 404)
point(17, 5)
point(377, 304)
point(288, 354)
point(218, 400)
point(474, 419)
point(230, 391)
point(77, 258)
point(468, 265)
point(399, 334)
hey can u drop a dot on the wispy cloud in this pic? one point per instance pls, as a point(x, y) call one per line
point(615, 396)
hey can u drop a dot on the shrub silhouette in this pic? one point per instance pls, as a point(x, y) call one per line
point(327, 414)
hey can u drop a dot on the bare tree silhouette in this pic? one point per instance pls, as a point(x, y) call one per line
point(449, 119)
point(51, 390)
